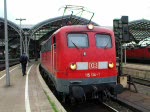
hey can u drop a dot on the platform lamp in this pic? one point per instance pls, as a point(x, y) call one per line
point(21, 19)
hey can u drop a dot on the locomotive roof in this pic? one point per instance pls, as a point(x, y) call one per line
point(79, 27)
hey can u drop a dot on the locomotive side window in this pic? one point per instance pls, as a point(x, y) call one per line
point(49, 44)
point(103, 41)
point(78, 40)
point(54, 42)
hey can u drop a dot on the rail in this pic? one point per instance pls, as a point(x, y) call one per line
point(110, 107)
point(10, 60)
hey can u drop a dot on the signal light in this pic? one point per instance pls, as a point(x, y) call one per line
point(90, 27)
point(121, 28)
point(73, 66)
point(111, 65)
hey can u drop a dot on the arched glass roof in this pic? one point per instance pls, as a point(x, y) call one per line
point(47, 27)
point(13, 34)
point(140, 29)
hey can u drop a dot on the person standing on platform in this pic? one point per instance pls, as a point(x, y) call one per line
point(23, 60)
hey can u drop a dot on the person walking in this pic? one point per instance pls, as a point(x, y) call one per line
point(23, 61)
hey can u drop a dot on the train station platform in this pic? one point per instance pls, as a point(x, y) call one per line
point(141, 71)
point(140, 102)
point(27, 93)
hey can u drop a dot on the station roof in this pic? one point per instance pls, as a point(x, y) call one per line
point(41, 30)
point(13, 34)
point(140, 29)
point(47, 27)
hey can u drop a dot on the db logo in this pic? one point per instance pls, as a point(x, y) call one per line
point(93, 65)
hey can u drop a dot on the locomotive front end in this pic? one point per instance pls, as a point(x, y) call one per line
point(89, 58)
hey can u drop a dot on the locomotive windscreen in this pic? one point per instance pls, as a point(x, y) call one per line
point(103, 41)
point(78, 40)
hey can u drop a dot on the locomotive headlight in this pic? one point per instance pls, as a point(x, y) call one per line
point(90, 27)
point(111, 65)
point(73, 66)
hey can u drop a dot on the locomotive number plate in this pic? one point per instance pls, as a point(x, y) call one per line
point(93, 65)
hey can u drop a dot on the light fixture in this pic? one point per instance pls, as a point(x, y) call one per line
point(90, 27)
point(73, 66)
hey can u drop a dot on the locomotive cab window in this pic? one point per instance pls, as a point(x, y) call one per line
point(78, 40)
point(103, 41)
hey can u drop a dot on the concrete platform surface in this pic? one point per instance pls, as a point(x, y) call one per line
point(140, 102)
point(25, 93)
point(141, 71)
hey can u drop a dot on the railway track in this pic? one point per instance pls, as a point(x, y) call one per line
point(11, 63)
point(95, 106)
point(111, 108)
point(90, 106)
point(116, 106)
point(141, 81)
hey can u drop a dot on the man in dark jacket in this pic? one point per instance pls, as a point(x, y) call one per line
point(23, 61)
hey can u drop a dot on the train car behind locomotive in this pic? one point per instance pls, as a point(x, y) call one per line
point(142, 53)
point(81, 62)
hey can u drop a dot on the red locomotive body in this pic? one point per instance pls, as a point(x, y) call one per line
point(81, 60)
point(142, 53)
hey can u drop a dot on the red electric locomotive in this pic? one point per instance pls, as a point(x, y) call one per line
point(81, 62)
